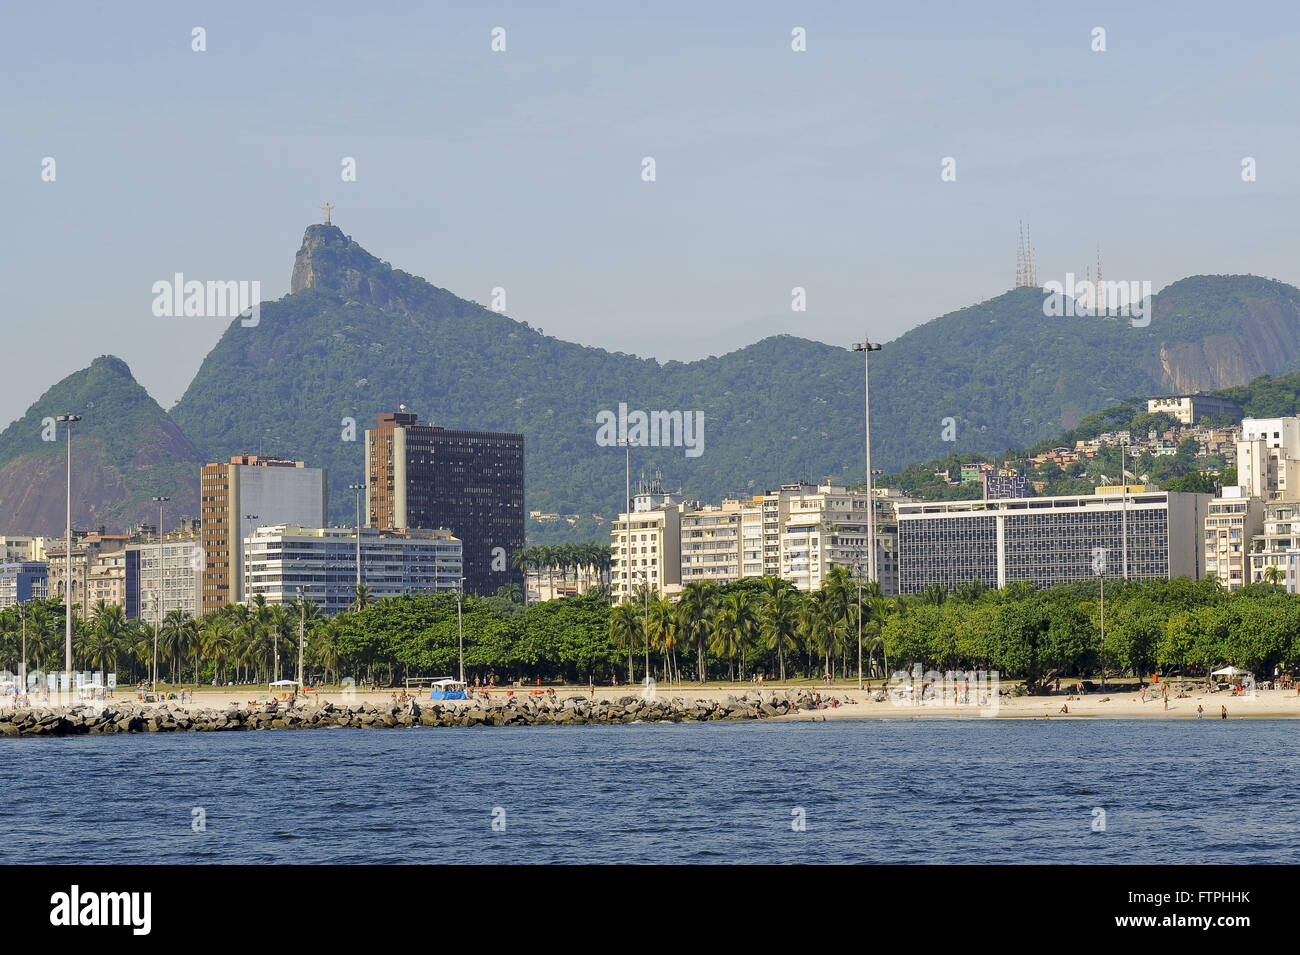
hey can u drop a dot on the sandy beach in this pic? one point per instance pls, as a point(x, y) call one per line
point(854, 704)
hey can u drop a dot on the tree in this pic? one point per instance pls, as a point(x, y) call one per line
point(624, 625)
point(780, 617)
point(694, 612)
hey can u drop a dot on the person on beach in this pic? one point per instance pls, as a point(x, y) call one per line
point(1200, 713)
point(1065, 708)
point(1223, 712)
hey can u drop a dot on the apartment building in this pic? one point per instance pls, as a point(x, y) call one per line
point(1233, 521)
point(240, 495)
point(320, 563)
point(647, 543)
point(468, 482)
point(1050, 540)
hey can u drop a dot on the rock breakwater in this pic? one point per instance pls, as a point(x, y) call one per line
point(568, 711)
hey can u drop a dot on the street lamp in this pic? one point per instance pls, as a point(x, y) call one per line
point(867, 347)
point(646, 578)
point(358, 488)
point(857, 575)
point(460, 626)
point(22, 612)
point(243, 573)
point(157, 622)
point(302, 633)
point(1099, 568)
point(68, 419)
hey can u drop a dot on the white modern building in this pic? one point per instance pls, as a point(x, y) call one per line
point(1268, 458)
point(1051, 540)
point(647, 543)
point(284, 560)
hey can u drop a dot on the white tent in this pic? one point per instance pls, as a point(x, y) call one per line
point(1230, 672)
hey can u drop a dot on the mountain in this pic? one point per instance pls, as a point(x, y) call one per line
point(356, 337)
point(125, 451)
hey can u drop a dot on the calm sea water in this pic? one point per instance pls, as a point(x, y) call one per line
point(924, 792)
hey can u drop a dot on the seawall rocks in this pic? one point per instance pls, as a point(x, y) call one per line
point(513, 711)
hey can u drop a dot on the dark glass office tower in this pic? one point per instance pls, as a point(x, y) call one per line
point(468, 482)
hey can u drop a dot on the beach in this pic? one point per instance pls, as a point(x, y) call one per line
point(1122, 704)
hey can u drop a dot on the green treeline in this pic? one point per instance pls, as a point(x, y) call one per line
point(733, 631)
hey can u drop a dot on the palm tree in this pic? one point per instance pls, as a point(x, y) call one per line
point(362, 597)
point(218, 643)
point(1272, 575)
point(323, 647)
point(663, 632)
point(733, 627)
point(780, 617)
point(624, 624)
point(105, 636)
point(695, 610)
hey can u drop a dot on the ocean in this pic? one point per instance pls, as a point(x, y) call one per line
point(941, 791)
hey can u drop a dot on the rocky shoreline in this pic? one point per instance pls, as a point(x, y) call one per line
point(575, 710)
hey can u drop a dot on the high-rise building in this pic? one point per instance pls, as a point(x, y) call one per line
point(1051, 540)
point(468, 482)
point(165, 575)
point(240, 495)
point(711, 542)
point(280, 561)
point(21, 581)
point(647, 544)
point(87, 548)
point(1231, 523)
point(1268, 458)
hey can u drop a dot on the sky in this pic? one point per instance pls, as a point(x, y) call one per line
point(523, 169)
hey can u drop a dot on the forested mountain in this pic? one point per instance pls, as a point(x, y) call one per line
point(125, 451)
point(356, 337)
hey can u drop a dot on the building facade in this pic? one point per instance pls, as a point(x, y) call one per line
point(321, 562)
point(711, 543)
point(1232, 522)
point(468, 482)
point(241, 494)
point(1049, 541)
point(1190, 409)
point(647, 544)
point(162, 576)
point(21, 581)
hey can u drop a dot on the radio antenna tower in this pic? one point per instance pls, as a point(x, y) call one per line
point(1026, 274)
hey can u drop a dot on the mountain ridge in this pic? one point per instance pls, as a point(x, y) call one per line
point(356, 337)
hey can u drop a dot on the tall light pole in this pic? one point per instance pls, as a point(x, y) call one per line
point(1123, 480)
point(627, 529)
point(302, 633)
point(857, 572)
point(646, 578)
point(22, 612)
point(243, 578)
point(358, 488)
point(157, 620)
point(68, 419)
point(460, 626)
point(867, 347)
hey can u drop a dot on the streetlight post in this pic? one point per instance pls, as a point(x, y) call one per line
point(68, 419)
point(302, 633)
point(157, 621)
point(243, 574)
point(22, 612)
point(460, 626)
point(358, 488)
point(858, 574)
point(867, 347)
point(627, 530)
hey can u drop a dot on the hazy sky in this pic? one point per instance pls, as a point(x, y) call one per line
point(523, 169)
